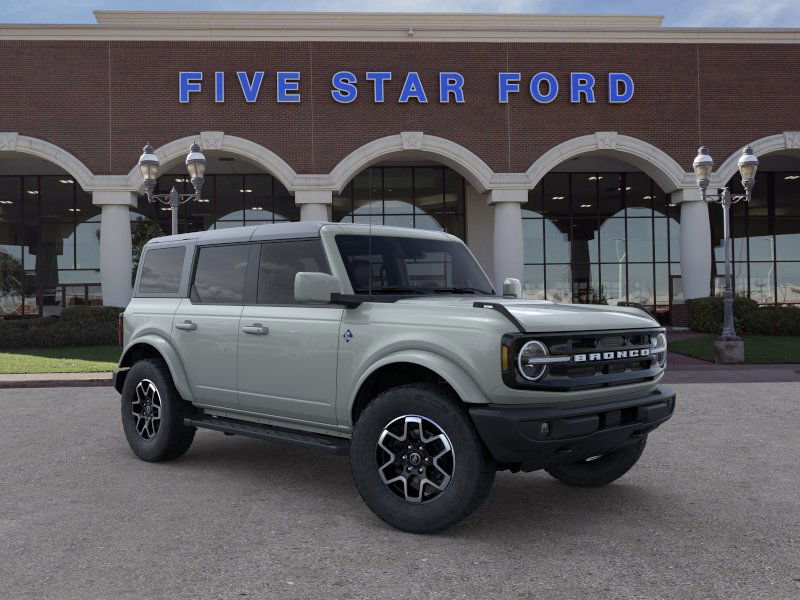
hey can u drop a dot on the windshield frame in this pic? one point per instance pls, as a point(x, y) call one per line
point(461, 275)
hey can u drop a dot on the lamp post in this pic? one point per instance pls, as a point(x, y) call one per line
point(195, 164)
point(703, 165)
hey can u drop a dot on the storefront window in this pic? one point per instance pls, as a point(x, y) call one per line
point(49, 245)
point(600, 238)
point(766, 240)
point(417, 197)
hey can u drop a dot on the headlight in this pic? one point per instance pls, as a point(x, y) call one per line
point(659, 344)
point(530, 360)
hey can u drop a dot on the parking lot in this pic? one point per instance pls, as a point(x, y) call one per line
point(711, 511)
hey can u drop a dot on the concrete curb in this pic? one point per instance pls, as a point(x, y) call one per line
point(47, 380)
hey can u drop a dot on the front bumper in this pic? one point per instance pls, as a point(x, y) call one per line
point(537, 437)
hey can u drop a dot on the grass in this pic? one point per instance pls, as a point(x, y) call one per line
point(88, 359)
point(758, 349)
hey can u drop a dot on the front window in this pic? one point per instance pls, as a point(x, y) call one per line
point(408, 265)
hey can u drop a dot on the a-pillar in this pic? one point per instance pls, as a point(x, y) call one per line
point(507, 244)
point(116, 257)
point(695, 243)
point(314, 204)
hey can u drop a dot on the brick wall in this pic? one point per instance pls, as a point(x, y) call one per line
point(102, 101)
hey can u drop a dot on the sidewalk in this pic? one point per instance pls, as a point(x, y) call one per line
point(45, 380)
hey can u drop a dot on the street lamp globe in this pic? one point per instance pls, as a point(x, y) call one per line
point(703, 165)
point(196, 162)
point(196, 165)
point(148, 165)
point(748, 164)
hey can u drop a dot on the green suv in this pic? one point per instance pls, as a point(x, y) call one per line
point(388, 345)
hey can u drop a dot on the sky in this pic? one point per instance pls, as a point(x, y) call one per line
point(678, 13)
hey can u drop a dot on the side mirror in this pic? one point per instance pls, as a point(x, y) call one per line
point(315, 287)
point(512, 288)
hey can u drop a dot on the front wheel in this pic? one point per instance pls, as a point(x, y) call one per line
point(417, 460)
point(599, 470)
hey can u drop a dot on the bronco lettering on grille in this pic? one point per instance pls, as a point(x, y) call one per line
point(617, 355)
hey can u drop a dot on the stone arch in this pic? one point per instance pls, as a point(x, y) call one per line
point(444, 151)
point(781, 142)
point(656, 163)
point(11, 141)
point(218, 140)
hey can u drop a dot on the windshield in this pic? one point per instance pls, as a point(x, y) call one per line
point(408, 265)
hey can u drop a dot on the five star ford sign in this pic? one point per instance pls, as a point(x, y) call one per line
point(543, 87)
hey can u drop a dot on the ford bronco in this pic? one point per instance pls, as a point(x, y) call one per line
point(391, 346)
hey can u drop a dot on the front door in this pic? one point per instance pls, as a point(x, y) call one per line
point(288, 351)
point(206, 325)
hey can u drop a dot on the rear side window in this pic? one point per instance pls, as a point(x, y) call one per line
point(161, 271)
point(280, 262)
point(220, 274)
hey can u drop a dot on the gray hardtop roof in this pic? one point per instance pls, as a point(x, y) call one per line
point(288, 230)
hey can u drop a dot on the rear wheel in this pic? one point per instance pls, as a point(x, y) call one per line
point(599, 470)
point(417, 460)
point(153, 413)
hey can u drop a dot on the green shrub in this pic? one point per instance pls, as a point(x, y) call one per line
point(775, 321)
point(77, 326)
point(706, 315)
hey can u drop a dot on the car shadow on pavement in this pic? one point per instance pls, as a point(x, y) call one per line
point(519, 504)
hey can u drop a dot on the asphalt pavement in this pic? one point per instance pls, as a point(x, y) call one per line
point(711, 511)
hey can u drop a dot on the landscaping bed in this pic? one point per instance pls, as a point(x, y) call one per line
point(758, 349)
point(91, 359)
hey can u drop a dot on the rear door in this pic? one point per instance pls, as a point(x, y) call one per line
point(288, 351)
point(206, 325)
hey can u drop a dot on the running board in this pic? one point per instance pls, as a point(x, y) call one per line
point(326, 443)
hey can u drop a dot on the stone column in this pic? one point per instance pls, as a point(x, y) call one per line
point(314, 205)
point(507, 244)
point(695, 243)
point(116, 261)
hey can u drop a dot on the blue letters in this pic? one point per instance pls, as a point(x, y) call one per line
point(507, 83)
point(451, 83)
point(288, 86)
point(219, 86)
point(412, 88)
point(378, 77)
point(536, 88)
point(344, 91)
point(188, 81)
point(614, 94)
point(250, 90)
point(581, 83)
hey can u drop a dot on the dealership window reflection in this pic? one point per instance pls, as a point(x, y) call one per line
point(49, 245)
point(765, 239)
point(600, 237)
point(421, 197)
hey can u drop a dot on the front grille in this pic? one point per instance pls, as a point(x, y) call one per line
point(604, 359)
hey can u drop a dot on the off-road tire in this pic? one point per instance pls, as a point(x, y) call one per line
point(172, 438)
point(601, 471)
point(473, 469)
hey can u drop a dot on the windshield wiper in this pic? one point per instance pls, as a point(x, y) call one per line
point(461, 290)
point(390, 290)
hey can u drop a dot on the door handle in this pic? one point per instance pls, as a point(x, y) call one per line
point(255, 329)
point(186, 326)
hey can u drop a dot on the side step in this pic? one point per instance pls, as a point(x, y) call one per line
point(327, 443)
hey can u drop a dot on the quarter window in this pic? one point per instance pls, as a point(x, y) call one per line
point(220, 274)
point(161, 271)
point(280, 262)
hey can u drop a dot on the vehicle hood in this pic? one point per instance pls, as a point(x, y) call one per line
point(543, 316)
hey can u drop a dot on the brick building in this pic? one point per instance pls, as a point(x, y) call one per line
point(558, 147)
